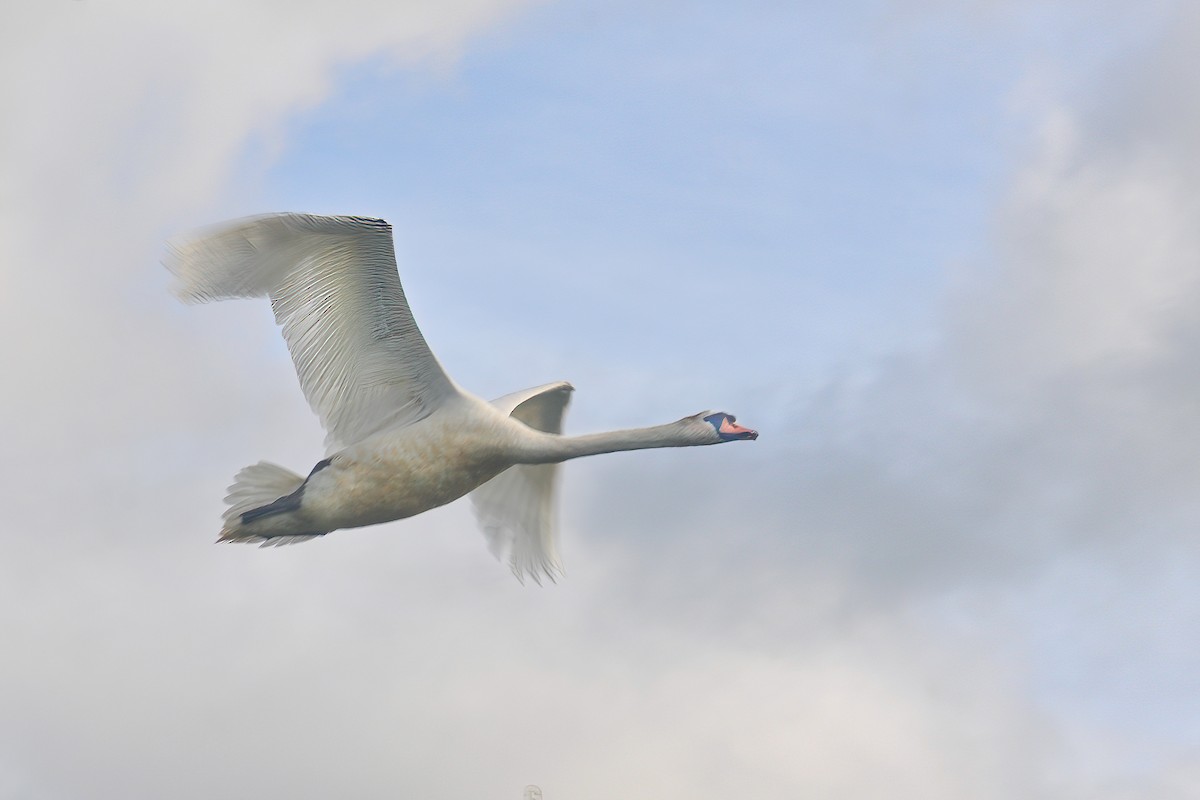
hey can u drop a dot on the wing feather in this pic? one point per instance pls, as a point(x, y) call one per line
point(362, 362)
point(516, 508)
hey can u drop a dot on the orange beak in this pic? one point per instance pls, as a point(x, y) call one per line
point(732, 429)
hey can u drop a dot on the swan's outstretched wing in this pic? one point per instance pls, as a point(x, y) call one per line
point(516, 508)
point(362, 362)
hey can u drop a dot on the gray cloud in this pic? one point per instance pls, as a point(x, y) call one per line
point(1054, 424)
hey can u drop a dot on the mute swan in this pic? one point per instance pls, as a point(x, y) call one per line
point(402, 437)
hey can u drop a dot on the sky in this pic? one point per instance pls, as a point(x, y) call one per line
point(942, 255)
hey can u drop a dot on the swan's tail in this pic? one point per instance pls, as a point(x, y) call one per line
point(259, 499)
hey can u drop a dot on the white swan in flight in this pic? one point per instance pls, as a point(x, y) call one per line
point(402, 436)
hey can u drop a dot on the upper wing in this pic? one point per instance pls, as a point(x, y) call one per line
point(541, 408)
point(363, 364)
point(516, 508)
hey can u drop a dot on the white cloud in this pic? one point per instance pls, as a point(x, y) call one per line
point(1097, 256)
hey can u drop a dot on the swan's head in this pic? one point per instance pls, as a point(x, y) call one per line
point(723, 427)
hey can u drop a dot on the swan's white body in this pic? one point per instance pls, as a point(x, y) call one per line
point(402, 437)
point(400, 472)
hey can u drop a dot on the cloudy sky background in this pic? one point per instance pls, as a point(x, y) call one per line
point(943, 255)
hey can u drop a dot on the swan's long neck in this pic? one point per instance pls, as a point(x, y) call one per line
point(551, 448)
